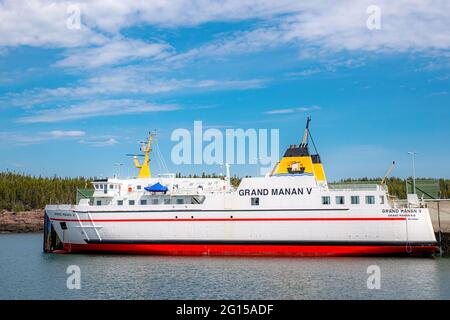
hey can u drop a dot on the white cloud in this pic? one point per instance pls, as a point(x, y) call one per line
point(41, 23)
point(113, 52)
point(112, 16)
point(320, 28)
point(405, 24)
point(122, 81)
point(95, 109)
point(292, 110)
point(317, 29)
point(62, 134)
point(26, 139)
point(99, 141)
point(304, 73)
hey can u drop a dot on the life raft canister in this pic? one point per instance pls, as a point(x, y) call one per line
point(130, 189)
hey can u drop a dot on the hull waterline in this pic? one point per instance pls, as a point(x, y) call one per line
point(267, 250)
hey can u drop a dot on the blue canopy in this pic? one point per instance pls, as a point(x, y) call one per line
point(157, 187)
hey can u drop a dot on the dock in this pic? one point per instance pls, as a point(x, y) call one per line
point(440, 217)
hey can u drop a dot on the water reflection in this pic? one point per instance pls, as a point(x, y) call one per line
point(26, 273)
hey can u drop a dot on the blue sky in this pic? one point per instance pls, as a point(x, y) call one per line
point(74, 101)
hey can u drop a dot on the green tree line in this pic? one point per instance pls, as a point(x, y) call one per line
point(20, 192)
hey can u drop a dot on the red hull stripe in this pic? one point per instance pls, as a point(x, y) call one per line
point(249, 250)
point(228, 219)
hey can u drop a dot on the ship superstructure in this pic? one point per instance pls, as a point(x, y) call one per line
point(291, 211)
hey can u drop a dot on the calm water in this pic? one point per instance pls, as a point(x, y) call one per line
point(27, 273)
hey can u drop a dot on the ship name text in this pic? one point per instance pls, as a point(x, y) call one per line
point(275, 192)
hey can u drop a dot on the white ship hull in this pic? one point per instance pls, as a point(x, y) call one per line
point(292, 232)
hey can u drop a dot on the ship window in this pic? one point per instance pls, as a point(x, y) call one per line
point(255, 201)
point(180, 201)
point(355, 199)
point(340, 200)
point(111, 186)
point(131, 202)
point(139, 187)
point(155, 201)
point(326, 200)
point(120, 202)
point(167, 201)
point(381, 199)
point(143, 202)
point(96, 186)
point(99, 202)
point(370, 200)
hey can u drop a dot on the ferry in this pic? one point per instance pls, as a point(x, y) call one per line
point(291, 211)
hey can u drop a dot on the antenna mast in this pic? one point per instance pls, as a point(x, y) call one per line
point(306, 134)
point(388, 172)
point(144, 171)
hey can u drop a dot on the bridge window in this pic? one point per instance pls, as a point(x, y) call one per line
point(167, 201)
point(155, 201)
point(381, 199)
point(143, 202)
point(326, 200)
point(131, 202)
point(255, 201)
point(354, 199)
point(111, 186)
point(340, 200)
point(370, 199)
point(180, 201)
point(120, 202)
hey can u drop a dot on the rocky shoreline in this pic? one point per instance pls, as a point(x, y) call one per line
point(21, 222)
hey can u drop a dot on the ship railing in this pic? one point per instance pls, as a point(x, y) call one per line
point(85, 193)
point(404, 204)
point(188, 192)
point(354, 186)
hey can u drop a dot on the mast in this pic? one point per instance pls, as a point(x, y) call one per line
point(304, 143)
point(144, 171)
